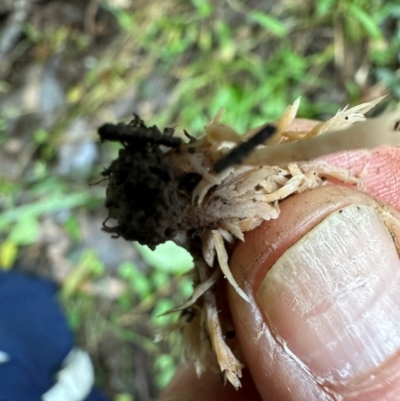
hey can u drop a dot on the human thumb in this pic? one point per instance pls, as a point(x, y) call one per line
point(324, 280)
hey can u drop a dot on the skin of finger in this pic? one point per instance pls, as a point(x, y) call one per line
point(378, 168)
point(274, 373)
point(187, 386)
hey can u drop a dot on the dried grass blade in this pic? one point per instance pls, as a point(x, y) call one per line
point(364, 135)
point(197, 292)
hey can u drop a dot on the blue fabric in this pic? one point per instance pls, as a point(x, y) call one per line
point(35, 335)
point(96, 395)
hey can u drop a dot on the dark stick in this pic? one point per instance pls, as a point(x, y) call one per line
point(244, 149)
point(129, 134)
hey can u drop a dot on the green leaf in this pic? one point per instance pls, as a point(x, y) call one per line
point(73, 228)
point(88, 266)
point(4, 86)
point(324, 7)
point(52, 204)
point(41, 136)
point(162, 306)
point(204, 7)
point(167, 257)
point(7, 187)
point(365, 20)
point(160, 279)
point(92, 263)
point(185, 287)
point(77, 308)
point(25, 232)
point(124, 397)
point(126, 20)
point(138, 281)
point(225, 98)
point(270, 23)
point(8, 254)
point(165, 366)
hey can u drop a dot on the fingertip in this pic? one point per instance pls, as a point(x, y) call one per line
point(287, 354)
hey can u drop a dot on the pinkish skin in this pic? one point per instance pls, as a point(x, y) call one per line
point(277, 371)
point(378, 167)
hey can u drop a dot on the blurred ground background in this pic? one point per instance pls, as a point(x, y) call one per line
point(66, 67)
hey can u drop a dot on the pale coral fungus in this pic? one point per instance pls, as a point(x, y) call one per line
point(163, 189)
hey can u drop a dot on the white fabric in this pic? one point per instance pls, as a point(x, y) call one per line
point(4, 357)
point(74, 380)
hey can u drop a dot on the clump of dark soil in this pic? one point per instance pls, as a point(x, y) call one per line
point(144, 195)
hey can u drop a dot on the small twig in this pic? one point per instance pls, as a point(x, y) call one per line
point(127, 134)
point(244, 149)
